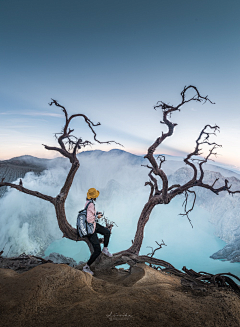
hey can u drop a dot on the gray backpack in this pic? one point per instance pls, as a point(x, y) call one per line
point(83, 227)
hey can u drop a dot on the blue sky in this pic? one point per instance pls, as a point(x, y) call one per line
point(113, 60)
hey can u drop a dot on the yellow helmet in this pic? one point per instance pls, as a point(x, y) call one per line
point(92, 193)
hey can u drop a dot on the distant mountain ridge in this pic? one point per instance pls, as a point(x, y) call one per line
point(17, 167)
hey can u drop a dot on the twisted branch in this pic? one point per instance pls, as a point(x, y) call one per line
point(152, 189)
point(185, 202)
point(153, 251)
point(197, 151)
point(27, 191)
point(66, 138)
point(167, 111)
point(162, 159)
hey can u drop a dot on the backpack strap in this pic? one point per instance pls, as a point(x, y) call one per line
point(91, 201)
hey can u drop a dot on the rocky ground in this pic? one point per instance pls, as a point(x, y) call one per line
point(59, 295)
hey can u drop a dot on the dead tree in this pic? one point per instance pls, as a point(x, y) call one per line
point(68, 147)
point(160, 190)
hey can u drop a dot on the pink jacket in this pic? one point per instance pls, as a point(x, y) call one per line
point(91, 214)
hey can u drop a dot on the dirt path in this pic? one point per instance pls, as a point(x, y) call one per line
point(58, 295)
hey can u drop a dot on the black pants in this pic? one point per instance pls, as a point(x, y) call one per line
point(95, 241)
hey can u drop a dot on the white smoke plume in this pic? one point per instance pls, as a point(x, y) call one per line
point(29, 224)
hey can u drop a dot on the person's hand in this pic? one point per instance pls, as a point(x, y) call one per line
point(99, 215)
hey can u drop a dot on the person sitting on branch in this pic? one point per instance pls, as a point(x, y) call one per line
point(92, 195)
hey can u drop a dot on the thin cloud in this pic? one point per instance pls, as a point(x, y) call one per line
point(19, 126)
point(51, 114)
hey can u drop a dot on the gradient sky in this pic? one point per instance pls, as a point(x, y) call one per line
point(113, 60)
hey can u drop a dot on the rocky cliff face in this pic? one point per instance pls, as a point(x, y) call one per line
point(230, 252)
point(16, 168)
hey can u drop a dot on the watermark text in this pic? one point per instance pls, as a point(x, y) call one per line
point(115, 316)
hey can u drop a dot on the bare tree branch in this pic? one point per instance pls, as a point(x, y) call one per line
point(165, 194)
point(202, 139)
point(152, 189)
point(154, 180)
point(65, 138)
point(167, 110)
point(63, 152)
point(27, 191)
point(160, 246)
point(173, 186)
point(162, 159)
point(74, 142)
point(70, 144)
point(186, 212)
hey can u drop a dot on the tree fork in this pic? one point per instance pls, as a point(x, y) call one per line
point(166, 193)
point(74, 144)
point(158, 195)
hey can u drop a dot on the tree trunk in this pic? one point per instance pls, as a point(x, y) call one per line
point(68, 231)
point(143, 219)
point(69, 180)
point(59, 203)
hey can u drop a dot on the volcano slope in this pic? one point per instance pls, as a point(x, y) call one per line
point(59, 295)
